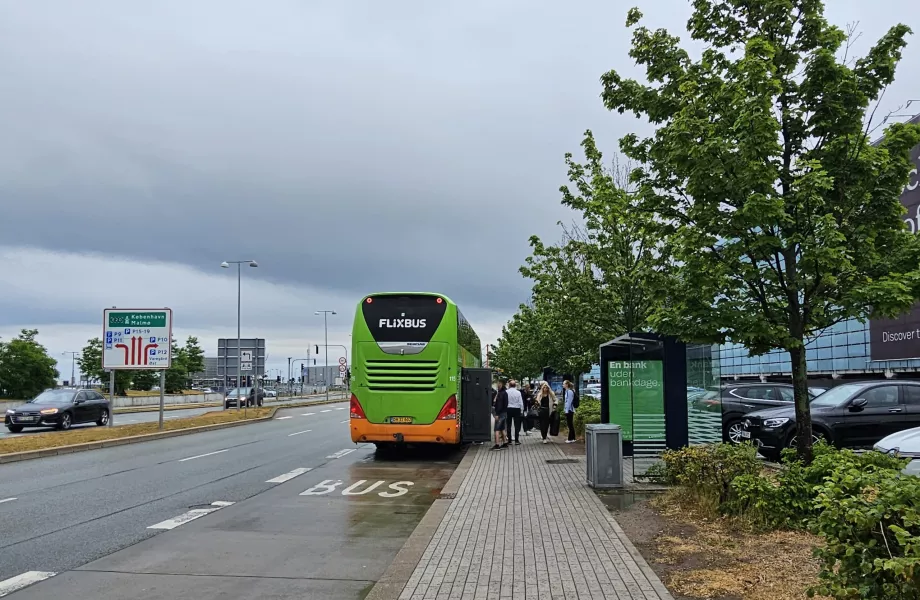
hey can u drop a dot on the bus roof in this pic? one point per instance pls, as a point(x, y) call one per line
point(376, 294)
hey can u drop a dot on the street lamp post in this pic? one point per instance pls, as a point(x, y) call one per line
point(239, 294)
point(326, 314)
point(73, 368)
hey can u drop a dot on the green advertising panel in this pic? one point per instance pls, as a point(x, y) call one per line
point(636, 397)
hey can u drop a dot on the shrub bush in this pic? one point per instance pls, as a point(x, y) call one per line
point(707, 472)
point(869, 516)
point(588, 411)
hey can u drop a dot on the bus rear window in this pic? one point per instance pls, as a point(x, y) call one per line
point(403, 318)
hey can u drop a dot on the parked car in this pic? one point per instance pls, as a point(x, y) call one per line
point(737, 400)
point(850, 415)
point(231, 398)
point(270, 393)
point(905, 444)
point(59, 408)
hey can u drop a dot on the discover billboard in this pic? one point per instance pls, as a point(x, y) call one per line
point(899, 339)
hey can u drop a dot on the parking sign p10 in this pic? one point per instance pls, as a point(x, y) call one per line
point(136, 338)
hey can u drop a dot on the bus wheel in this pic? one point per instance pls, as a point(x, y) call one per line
point(385, 448)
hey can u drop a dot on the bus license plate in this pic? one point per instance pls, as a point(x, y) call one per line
point(400, 419)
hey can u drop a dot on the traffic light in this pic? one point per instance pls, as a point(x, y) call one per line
point(317, 351)
point(314, 362)
point(278, 379)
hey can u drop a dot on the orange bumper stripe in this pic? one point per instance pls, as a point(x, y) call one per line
point(439, 432)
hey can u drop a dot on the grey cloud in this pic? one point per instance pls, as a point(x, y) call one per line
point(355, 146)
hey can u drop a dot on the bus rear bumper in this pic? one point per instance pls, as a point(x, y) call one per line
point(439, 432)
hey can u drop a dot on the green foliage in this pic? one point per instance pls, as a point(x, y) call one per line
point(144, 380)
point(869, 517)
point(597, 283)
point(25, 367)
point(588, 412)
point(193, 356)
point(706, 473)
point(90, 361)
point(779, 216)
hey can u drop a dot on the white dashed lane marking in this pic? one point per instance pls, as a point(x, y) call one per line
point(203, 455)
point(345, 421)
point(282, 418)
point(289, 476)
point(341, 453)
point(7, 500)
point(299, 432)
point(327, 410)
point(14, 584)
point(307, 414)
point(340, 408)
point(190, 516)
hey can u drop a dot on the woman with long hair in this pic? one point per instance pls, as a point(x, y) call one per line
point(546, 402)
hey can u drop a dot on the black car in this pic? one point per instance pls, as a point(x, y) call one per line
point(246, 393)
point(850, 415)
point(59, 408)
point(739, 399)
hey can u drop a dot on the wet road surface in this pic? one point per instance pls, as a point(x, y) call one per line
point(287, 509)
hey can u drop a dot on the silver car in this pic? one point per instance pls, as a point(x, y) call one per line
point(905, 444)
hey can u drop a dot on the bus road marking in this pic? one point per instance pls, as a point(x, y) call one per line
point(341, 453)
point(289, 476)
point(395, 489)
point(299, 432)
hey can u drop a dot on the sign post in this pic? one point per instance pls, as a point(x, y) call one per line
point(137, 339)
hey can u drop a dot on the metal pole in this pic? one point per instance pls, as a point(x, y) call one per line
point(290, 386)
point(73, 372)
point(162, 397)
point(309, 349)
point(326, 364)
point(239, 348)
point(111, 396)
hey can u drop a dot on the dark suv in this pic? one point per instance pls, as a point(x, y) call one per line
point(849, 415)
point(739, 399)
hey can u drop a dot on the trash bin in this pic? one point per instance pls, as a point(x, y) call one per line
point(604, 444)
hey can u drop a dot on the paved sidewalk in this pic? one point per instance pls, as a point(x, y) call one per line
point(523, 528)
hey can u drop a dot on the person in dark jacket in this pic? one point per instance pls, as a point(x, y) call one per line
point(500, 412)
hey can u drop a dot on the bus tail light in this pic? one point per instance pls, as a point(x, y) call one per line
point(449, 412)
point(356, 411)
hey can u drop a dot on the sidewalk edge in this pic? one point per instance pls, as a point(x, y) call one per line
point(394, 579)
point(13, 457)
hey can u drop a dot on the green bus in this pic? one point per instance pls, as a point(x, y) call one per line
point(408, 351)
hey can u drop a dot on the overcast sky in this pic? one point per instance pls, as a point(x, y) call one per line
point(349, 146)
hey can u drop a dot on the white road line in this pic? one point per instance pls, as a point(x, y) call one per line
point(341, 453)
point(307, 414)
point(282, 418)
point(299, 432)
point(346, 421)
point(340, 408)
point(190, 516)
point(7, 500)
point(327, 410)
point(13, 584)
point(289, 476)
point(203, 455)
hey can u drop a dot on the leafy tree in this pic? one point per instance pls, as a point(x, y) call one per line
point(194, 356)
point(782, 217)
point(144, 380)
point(25, 367)
point(177, 374)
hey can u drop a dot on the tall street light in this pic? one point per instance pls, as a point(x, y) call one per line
point(326, 314)
point(239, 351)
point(73, 362)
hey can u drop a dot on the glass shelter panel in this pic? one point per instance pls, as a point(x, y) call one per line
point(704, 394)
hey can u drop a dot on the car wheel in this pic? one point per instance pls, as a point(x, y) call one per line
point(103, 418)
point(733, 432)
point(14, 428)
point(65, 422)
point(816, 436)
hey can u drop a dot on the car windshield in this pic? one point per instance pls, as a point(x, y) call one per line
point(54, 396)
point(835, 396)
point(244, 391)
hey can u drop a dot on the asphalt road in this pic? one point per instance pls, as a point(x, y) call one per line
point(228, 511)
point(149, 416)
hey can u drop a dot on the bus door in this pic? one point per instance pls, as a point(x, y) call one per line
point(476, 405)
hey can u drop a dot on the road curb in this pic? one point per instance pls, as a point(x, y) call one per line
point(148, 437)
point(394, 579)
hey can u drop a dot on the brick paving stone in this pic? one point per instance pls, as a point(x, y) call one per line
point(522, 529)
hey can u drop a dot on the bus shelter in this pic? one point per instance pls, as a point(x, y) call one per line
point(663, 393)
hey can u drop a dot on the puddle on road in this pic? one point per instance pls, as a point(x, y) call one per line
point(620, 500)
